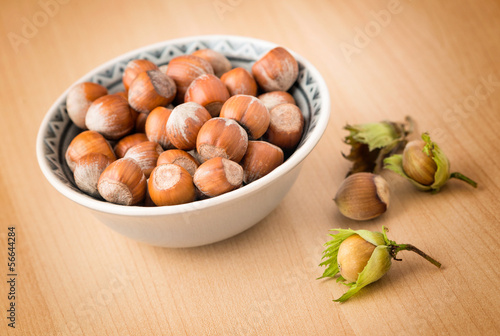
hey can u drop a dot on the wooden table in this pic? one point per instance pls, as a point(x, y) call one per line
point(438, 61)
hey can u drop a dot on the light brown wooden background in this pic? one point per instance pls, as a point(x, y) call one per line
point(77, 277)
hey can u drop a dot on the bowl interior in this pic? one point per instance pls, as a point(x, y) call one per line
point(57, 130)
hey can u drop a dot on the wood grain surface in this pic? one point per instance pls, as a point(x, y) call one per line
point(438, 61)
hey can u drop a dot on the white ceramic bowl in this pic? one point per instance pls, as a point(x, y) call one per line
point(202, 222)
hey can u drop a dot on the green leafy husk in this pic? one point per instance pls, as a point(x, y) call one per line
point(377, 267)
point(372, 142)
point(378, 264)
point(442, 175)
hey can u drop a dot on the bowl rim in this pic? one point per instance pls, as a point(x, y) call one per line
point(294, 160)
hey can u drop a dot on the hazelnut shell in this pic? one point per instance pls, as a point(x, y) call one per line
point(249, 112)
point(111, 116)
point(276, 71)
point(180, 158)
point(239, 81)
point(151, 89)
point(184, 69)
point(85, 143)
point(79, 99)
point(146, 155)
point(218, 176)
point(123, 182)
point(155, 126)
point(184, 124)
point(171, 184)
point(208, 91)
point(127, 142)
point(363, 196)
point(260, 159)
point(219, 62)
point(220, 137)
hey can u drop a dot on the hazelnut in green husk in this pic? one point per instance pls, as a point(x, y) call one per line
point(372, 142)
point(424, 164)
point(362, 257)
point(363, 196)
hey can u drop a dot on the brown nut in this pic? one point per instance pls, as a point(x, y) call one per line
point(286, 126)
point(127, 142)
point(134, 68)
point(219, 62)
point(260, 159)
point(171, 184)
point(79, 99)
point(156, 126)
point(135, 114)
point(111, 116)
point(148, 202)
point(184, 69)
point(122, 182)
point(85, 143)
point(184, 124)
point(180, 158)
point(276, 71)
point(353, 255)
point(140, 122)
point(363, 196)
point(417, 164)
point(220, 137)
point(275, 98)
point(146, 154)
point(88, 170)
point(208, 91)
point(218, 176)
point(151, 89)
point(239, 81)
point(249, 112)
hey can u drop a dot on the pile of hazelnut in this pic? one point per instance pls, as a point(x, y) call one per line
point(219, 136)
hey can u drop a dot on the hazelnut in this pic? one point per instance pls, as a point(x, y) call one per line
point(363, 196)
point(85, 143)
point(148, 202)
point(220, 137)
point(151, 89)
point(156, 126)
point(286, 126)
point(134, 68)
point(196, 155)
point(146, 154)
point(79, 99)
point(122, 182)
point(184, 124)
point(218, 176)
point(140, 122)
point(260, 159)
point(249, 112)
point(219, 62)
point(88, 170)
point(239, 81)
point(275, 98)
point(184, 69)
point(171, 184)
point(110, 115)
point(127, 142)
point(134, 113)
point(180, 158)
point(353, 255)
point(208, 91)
point(417, 164)
point(276, 71)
